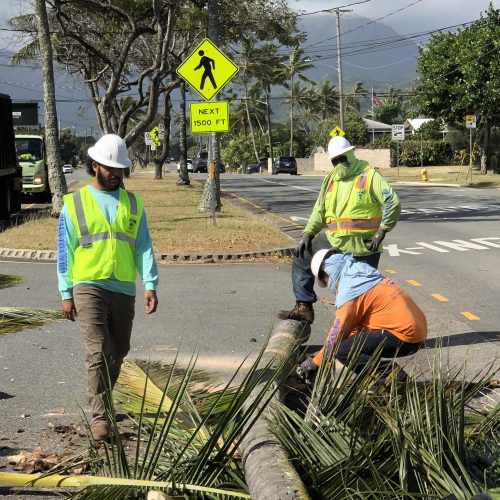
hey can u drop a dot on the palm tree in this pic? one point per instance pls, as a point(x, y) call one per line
point(295, 68)
point(42, 45)
point(269, 72)
point(353, 97)
point(327, 98)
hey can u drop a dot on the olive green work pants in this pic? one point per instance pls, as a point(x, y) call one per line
point(106, 323)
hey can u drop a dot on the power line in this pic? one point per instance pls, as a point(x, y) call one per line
point(364, 25)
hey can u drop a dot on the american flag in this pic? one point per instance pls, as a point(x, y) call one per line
point(376, 100)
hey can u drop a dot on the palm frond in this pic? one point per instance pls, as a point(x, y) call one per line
point(7, 280)
point(13, 319)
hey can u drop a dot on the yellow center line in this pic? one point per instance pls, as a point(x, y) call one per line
point(288, 221)
point(390, 271)
point(469, 315)
point(439, 297)
point(414, 283)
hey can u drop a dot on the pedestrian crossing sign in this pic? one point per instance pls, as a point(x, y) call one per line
point(207, 69)
point(153, 133)
point(337, 131)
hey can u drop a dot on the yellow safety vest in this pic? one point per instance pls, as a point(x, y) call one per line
point(104, 249)
point(360, 214)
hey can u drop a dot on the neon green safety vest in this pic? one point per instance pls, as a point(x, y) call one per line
point(360, 213)
point(104, 249)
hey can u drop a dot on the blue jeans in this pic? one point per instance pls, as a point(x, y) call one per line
point(302, 276)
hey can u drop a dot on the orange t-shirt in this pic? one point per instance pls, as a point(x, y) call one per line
point(385, 306)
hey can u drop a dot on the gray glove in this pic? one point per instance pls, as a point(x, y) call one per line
point(307, 369)
point(377, 239)
point(305, 244)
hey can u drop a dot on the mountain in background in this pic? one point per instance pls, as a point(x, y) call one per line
point(372, 52)
point(363, 60)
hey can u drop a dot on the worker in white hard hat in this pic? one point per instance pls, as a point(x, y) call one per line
point(103, 242)
point(355, 208)
point(369, 308)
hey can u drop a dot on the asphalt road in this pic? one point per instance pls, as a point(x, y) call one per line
point(226, 310)
point(446, 244)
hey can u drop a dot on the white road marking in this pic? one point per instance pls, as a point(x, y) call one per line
point(458, 245)
point(296, 218)
point(288, 185)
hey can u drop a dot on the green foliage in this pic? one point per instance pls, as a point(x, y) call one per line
point(358, 439)
point(356, 131)
point(461, 76)
point(431, 131)
point(238, 152)
point(433, 152)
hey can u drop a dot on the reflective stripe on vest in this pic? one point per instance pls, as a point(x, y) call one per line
point(104, 250)
point(87, 239)
point(364, 215)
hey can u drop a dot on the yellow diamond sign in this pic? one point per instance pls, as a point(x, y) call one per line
point(336, 131)
point(153, 133)
point(207, 69)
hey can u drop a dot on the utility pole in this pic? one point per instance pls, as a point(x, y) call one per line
point(338, 12)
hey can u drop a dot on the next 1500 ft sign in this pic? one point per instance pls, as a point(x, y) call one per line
point(209, 116)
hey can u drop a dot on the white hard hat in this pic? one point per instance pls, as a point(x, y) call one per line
point(337, 146)
point(316, 262)
point(110, 150)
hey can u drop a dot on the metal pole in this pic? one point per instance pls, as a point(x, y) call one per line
point(421, 151)
point(470, 153)
point(397, 155)
point(339, 66)
point(373, 119)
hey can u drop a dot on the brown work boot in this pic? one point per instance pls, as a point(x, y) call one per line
point(303, 311)
point(100, 431)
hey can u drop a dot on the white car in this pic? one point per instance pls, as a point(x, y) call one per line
point(67, 169)
point(190, 166)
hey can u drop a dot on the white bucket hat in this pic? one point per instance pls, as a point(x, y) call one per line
point(110, 150)
point(316, 262)
point(337, 146)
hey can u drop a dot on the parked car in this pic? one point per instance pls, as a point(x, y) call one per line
point(286, 164)
point(67, 169)
point(190, 166)
point(202, 161)
point(256, 168)
point(201, 164)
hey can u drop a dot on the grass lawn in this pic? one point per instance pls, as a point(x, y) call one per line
point(175, 224)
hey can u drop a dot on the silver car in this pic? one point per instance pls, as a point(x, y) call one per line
point(189, 166)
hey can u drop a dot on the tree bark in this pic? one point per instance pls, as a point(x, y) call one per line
point(252, 135)
point(291, 115)
point(57, 181)
point(210, 198)
point(183, 171)
point(485, 150)
point(269, 133)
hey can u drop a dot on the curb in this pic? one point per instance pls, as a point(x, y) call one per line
point(24, 254)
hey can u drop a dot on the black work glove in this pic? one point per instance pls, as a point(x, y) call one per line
point(305, 244)
point(307, 369)
point(377, 239)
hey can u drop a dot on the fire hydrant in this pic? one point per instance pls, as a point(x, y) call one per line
point(423, 175)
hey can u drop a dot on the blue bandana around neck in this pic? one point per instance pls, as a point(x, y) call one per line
point(354, 278)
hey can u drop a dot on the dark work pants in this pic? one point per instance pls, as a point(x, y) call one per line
point(302, 276)
point(393, 347)
point(106, 323)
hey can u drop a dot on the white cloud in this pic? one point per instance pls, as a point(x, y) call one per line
point(424, 15)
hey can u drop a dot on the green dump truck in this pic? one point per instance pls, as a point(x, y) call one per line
point(31, 156)
point(10, 171)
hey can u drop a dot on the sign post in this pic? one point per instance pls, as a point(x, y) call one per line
point(470, 123)
point(398, 134)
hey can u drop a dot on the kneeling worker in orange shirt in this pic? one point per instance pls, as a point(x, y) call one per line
point(370, 306)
